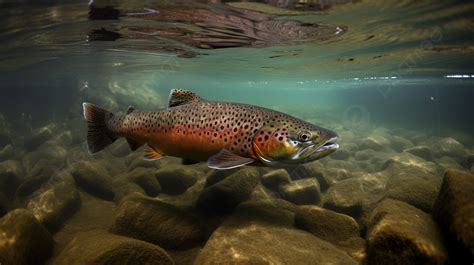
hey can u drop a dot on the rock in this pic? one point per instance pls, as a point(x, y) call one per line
point(252, 238)
point(4, 140)
point(417, 190)
point(216, 175)
point(341, 154)
point(52, 154)
point(467, 162)
point(225, 195)
point(270, 211)
point(94, 179)
point(303, 191)
point(145, 178)
point(176, 179)
point(408, 163)
point(120, 149)
point(339, 229)
point(454, 211)
point(352, 196)
point(30, 185)
point(124, 188)
point(101, 248)
point(449, 147)
point(399, 233)
point(374, 142)
point(38, 137)
point(275, 178)
point(140, 162)
point(421, 151)
point(158, 222)
point(447, 162)
point(345, 197)
point(399, 144)
point(23, 240)
point(312, 169)
point(11, 173)
point(6, 152)
point(55, 203)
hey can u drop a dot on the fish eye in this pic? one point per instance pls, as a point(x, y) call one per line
point(304, 136)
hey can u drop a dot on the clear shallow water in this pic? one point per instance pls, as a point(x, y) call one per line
point(386, 70)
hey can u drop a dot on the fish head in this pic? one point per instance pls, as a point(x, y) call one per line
point(284, 143)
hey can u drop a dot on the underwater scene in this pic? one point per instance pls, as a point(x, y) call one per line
point(236, 132)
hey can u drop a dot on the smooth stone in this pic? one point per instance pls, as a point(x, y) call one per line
point(225, 195)
point(38, 137)
point(421, 151)
point(399, 144)
point(23, 240)
point(341, 154)
point(302, 191)
point(145, 178)
point(120, 149)
point(468, 161)
point(252, 238)
point(124, 188)
point(101, 248)
point(56, 203)
point(408, 163)
point(216, 175)
point(339, 229)
point(11, 173)
point(4, 140)
point(140, 162)
point(275, 178)
point(345, 197)
point(449, 147)
point(374, 142)
point(417, 190)
point(454, 211)
point(159, 223)
point(54, 154)
point(6, 152)
point(176, 179)
point(447, 162)
point(94, 179)
point(312, 169)
point(30, 185)
point(399, 233)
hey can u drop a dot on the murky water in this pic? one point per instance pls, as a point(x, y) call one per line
point(394, 79)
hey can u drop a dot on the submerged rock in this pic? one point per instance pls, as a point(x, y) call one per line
point(449, 147)
point(23, 240)
point(399, 233)
point(38, 137)
point(56, 203)
point(11, 173)
point(4, 140)
point(275, 178)
point(101, 248)
point(158, 222)
point(338, 229)
point(225, 195)
point(250, 236)
point(352, 196)
point(145, 178)
point(454, 211)
point(176, 179)
point(399, 144)
point(94, 179)
point(6, 152)
point(312, 169)
point(303, 191)
point(421, 151)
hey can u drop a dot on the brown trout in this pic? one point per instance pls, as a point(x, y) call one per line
point(226, 135)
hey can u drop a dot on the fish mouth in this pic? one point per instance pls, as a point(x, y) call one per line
point(313, 151)
point(328, 145)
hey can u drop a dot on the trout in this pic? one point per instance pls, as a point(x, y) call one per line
point(226, 135)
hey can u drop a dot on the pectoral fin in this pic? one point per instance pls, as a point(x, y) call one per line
point(152, 154)
point(227, 160)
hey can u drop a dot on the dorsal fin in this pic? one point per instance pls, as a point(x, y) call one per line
point(130, 109)
point(180, 96)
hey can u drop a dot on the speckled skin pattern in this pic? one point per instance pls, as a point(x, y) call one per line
point(200, 129)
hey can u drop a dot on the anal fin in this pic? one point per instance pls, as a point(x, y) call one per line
point(152, 154)
point(227, 160)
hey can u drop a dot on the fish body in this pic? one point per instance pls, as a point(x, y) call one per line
point(225, 134)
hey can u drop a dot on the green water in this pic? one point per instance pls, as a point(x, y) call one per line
point(397, 73)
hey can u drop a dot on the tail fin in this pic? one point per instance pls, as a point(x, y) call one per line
point(98, 135)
